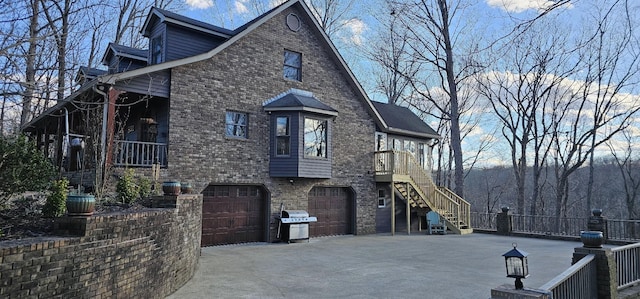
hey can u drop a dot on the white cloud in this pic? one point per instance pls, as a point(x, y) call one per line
point(355, 28)
point(199, 4)
point(274, 3)
point(517, 6)
point(240, 7)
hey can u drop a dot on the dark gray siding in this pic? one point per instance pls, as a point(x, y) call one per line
point(296, 165)
point(155, 84)
point(285, 166)
point(181, 43)
point(158, 29)
point(126, 64)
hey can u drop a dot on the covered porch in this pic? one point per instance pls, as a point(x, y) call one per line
point(103, 126)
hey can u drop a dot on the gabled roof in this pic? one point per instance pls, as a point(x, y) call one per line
point(124, 51)
point(298, 100)
point(242, 32)
point(401, 120)
point(88, 74)
point(174, 18)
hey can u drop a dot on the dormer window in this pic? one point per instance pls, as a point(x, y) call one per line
point(156, 50)
point(292, 65)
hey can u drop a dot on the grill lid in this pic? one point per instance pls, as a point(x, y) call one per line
point(294, 214)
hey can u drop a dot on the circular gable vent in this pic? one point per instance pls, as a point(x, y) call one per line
point(293, 22)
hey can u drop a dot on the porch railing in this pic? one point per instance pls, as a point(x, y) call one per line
point(628, 264)
point(579, 281)
point(139, 154)
point(441, 199)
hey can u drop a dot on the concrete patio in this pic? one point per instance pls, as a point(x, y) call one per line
point(372, 266)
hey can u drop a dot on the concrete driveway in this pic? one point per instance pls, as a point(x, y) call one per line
point(372, 266)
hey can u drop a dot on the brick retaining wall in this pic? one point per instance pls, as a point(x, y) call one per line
point(143, 254)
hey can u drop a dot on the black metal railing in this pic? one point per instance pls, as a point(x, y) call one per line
point(616, 229)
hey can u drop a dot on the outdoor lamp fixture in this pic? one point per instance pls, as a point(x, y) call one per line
point(517, 266)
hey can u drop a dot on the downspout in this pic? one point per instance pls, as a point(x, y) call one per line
point(65, 140)
point(103, 133)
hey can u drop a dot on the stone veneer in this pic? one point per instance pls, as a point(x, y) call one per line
point(240, 78)
point(141, 254)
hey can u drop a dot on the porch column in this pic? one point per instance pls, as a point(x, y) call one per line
point(393, 210)
point(408, 209)
point(111, 120)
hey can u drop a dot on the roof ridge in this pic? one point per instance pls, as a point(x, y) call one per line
point(296, 91)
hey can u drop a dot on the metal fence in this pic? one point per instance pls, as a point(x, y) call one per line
point(484, 220)
point(616, 229)
point(623, 230)
point(579, 281)
point(549, 225)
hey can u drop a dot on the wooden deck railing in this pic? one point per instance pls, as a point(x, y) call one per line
point(579, 281)
point(628, 265)
point(439, 199)
point(139, 154)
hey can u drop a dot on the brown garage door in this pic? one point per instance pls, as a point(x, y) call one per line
point(232, 214)
point(334, 209)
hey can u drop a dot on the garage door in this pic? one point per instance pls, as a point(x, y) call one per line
point(334, 209)
point(232, 214)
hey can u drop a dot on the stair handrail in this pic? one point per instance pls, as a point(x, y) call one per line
point(404, 163)
point(465, 206)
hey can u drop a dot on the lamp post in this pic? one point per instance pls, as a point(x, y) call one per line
point(517, 265)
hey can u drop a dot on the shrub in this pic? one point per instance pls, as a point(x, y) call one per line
point(127, 189)
point(55, 204)
point(144, 187)
point(22, 167)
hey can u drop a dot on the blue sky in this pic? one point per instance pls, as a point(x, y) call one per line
point(494, 18)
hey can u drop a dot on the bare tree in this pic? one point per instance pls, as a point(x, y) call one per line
point(521, 91)
point(391, 53)
point(433, 43)
point(600, 107)
point(626, 160)
point(612, 67)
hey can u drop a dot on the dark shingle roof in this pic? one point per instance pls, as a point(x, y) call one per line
point(297, 100)
point(397, 117)
point(121, 50)
point(174, 16)
point(91, 72)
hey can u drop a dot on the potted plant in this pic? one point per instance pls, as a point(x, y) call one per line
point(171, 187)
point(80, 204)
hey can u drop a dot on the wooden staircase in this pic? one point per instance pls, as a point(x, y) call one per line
point(416, 186)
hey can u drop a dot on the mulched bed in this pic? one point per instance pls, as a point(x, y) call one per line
point(23, 219)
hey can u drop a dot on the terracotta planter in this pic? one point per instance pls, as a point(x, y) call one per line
point(80, 204)
point(591, 239)
point(185, 188)
point(171, 188)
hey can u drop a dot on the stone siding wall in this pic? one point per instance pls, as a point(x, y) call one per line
point(240, 78)
point(144, 254)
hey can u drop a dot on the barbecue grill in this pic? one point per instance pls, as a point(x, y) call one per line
point(295, 225)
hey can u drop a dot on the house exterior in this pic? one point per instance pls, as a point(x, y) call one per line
point(258, 119)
